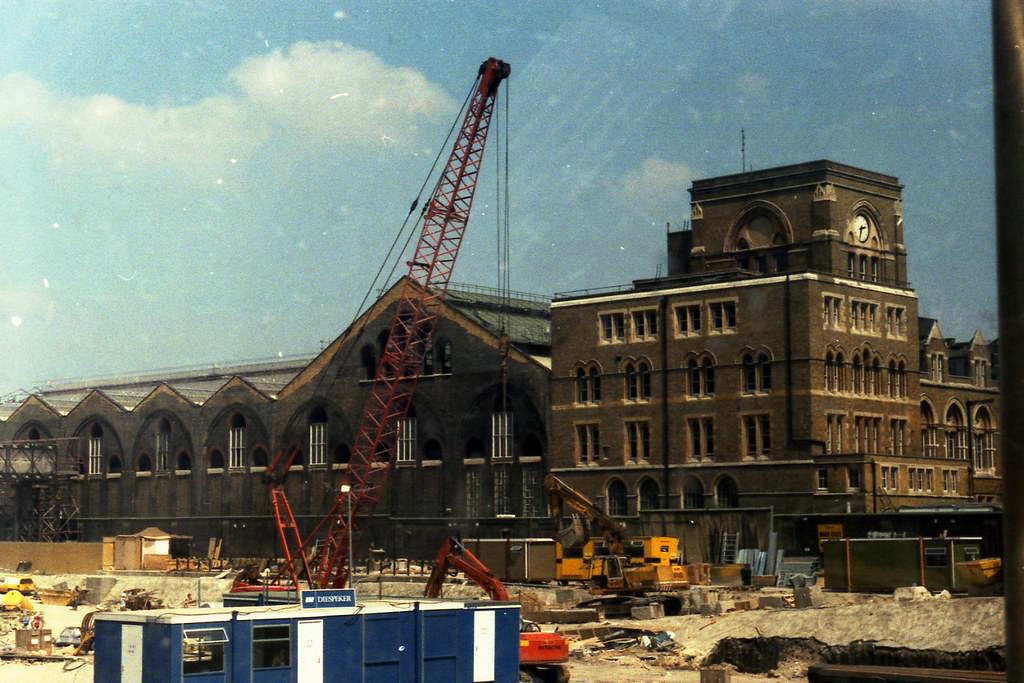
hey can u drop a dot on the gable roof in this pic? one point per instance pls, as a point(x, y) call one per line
point(525, 317)
point(926, 328)
point(195, 385)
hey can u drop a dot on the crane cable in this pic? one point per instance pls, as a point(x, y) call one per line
point(405, 228)
point(504, 293)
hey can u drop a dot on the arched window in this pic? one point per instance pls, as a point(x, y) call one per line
point(428, 361)
point(184, 463)
point(444, 352)
point(643, 370)
point(532, 447)
point(114, 465)
point(144, 464)
point(632, 387)
point(830, 371)
point(892, 377)
point(764, 364)
point(475, 449)
point(858, 375)
point(33, 434)
point(318, 436)
point(368, 360)
point(95, 456)
point(875, 378)
point(588, 384)
point(595, 385)
point(617, 499)
point(929, 431)
point(840, 383)
point(956, 434)
point(693, 494)
point(236, 443)
point(984, 442)
point(260, 458)
point(701, 376)
point(405, 447)
point(216, 460)
point(649, 495)
point(749, 374)
point(727, 494)
point(693, 375)
point(709, 376)
point(163, 444)
point(432, 450)
point(901, 383)
point(341, 454)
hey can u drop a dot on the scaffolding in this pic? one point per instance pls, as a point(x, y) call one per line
point(37, 502)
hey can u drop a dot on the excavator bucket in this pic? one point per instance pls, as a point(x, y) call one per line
point(574, 535)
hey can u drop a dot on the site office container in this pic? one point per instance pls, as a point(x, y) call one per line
point(880, 565)
point(378, 641)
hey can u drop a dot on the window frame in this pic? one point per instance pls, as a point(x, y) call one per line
point(260, 643)
point(214, 645)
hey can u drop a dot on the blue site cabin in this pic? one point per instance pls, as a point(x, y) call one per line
point(374, 642)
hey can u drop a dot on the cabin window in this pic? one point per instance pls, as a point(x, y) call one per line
point(271, 646)
point(202, 650)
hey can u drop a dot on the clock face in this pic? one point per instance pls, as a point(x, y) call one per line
point(861, 228)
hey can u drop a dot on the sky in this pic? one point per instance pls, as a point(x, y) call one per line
point(185, 183)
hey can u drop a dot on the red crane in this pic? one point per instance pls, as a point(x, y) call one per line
point(444, 222)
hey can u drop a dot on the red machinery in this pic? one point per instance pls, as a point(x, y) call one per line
point(542, 655)
point(445, 218)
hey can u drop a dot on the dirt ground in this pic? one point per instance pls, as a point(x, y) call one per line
point(954, 625)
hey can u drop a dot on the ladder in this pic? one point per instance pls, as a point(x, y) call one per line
point(730, 546)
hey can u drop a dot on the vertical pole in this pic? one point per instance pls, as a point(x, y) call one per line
point(1008, 79)
point(348, 521)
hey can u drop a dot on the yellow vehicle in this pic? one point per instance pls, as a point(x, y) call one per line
point(613, 563)
point(575, 563)
point(23, 584)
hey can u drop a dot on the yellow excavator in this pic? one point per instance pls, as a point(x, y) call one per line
point(612, 563)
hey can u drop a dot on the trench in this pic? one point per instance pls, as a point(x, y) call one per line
point(764, 655)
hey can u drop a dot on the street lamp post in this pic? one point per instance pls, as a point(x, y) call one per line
point(347, 490)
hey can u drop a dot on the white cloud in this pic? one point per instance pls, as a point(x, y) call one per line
point(282, 94)
point(338, 93)
point(656, 183)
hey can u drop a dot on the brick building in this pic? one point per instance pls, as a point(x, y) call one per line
point(185, 451)
point(780, 363)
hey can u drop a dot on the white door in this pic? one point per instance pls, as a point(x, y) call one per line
point(483, 645)
point(131, 653)
point(311, 651)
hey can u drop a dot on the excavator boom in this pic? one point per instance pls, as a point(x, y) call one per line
point(561, 496)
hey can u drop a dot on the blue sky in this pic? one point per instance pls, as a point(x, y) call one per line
point(184, 183)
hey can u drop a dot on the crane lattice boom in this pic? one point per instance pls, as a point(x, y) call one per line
point(444, 223)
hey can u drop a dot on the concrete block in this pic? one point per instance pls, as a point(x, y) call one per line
point(710, 610)
point(565, 597)
point(904, 593)
point(772, 602)
point(808, 596)
point(743, 605)
point(715, 675)
point(98, 588)
point(652, 611)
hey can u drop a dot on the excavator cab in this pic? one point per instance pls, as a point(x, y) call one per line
point(606, 573)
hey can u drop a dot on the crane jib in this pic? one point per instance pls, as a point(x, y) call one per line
point(444, 221)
